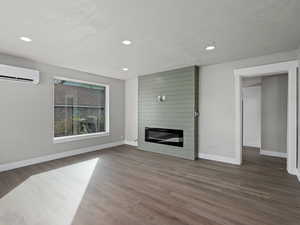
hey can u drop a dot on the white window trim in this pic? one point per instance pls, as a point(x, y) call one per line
point(63, 139)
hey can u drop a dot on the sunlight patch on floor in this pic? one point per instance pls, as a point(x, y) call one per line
point(49, 198)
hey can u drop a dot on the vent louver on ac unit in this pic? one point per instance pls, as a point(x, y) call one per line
point(19, 74)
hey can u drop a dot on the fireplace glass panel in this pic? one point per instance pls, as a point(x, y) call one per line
point(164, 136)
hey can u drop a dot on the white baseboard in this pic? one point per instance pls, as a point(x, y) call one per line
point(252, 146)
point(298, 174)
point(133, 143)
point(218, 158)
point(273, 153)
point(28, 162)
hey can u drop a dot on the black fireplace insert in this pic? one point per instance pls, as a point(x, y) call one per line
point(164, 136)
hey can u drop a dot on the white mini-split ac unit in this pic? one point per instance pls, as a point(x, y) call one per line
point(19, 74)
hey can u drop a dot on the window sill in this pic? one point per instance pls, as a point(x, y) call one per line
point(58, 140)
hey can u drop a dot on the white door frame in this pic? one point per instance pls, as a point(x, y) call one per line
point(265, 70)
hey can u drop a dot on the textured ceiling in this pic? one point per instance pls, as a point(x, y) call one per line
point(87, 34)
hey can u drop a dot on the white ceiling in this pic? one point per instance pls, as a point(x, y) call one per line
point(87, 34)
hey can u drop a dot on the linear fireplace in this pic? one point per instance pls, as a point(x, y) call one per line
point(164, 136)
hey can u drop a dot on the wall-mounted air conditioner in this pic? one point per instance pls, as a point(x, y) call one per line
point(19, 74)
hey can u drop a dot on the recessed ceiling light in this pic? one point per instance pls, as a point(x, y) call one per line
point(26, 39)
point(125, 69)
point(210, 47)
point(126, 42)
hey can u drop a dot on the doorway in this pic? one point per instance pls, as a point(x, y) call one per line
point(264, 118)
point(267, 70)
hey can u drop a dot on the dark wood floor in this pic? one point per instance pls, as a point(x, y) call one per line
point(132, 187)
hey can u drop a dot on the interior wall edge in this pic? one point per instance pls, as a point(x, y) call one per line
point(298, 174)
point(132, 143)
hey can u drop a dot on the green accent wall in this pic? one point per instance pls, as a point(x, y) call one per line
point(181, 88)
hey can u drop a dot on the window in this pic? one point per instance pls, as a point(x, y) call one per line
point(80, 110)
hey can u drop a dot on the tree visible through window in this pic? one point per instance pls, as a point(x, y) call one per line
point(79, 108)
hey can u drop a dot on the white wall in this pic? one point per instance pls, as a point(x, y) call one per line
point(27, 113)
point(217, 104)
point(274, 113)
point(252, 116)
point(131, 111)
